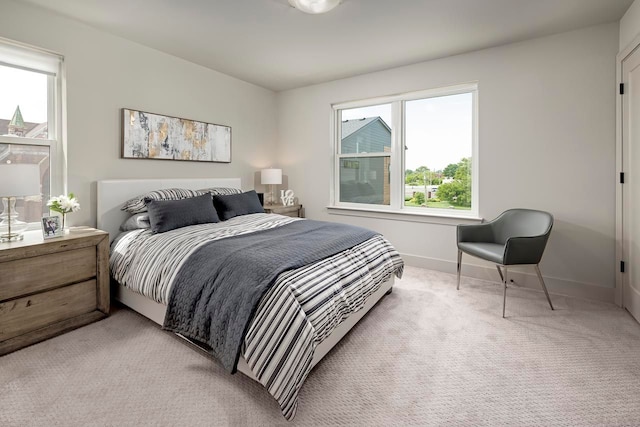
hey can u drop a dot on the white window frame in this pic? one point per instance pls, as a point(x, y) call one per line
point(29, 58)
point(397, 155)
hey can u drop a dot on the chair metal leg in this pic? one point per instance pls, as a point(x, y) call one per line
point(544, 287)
point(500, 273)
point(504, 298)
point(459, 267)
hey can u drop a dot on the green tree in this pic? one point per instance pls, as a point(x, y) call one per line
point(421, 176)
point(416, 177)
point(436, 178)
point(458, 192)
point(412, 178)
point(418, 198)
point(450, 170)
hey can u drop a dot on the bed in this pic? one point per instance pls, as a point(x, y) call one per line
point(282, 377)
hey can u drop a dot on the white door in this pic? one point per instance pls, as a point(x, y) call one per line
point(631, 186)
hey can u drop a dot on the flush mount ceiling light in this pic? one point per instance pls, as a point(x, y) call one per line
point(314, 6)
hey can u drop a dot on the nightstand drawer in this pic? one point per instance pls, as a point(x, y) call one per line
point(35, 274)
point(26, 314)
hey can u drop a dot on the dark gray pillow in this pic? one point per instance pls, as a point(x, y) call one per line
point(165, 215)
point(237, 204)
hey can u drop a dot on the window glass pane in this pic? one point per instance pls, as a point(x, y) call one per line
point(23, 103)
point(366, 129)
point(439, 138)
point(365, 180)
point(30, 209)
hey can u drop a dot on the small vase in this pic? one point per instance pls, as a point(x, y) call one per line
point(65, 227)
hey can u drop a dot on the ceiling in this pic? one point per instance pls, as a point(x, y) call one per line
point(271, 44)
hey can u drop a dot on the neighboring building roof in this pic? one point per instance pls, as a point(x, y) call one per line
point(39, 131)
point(17, 120)
point(351, 126)
point(28, 127)
point(367, 135)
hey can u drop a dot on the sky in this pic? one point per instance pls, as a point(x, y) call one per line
point(438, 130)
point(24, 88)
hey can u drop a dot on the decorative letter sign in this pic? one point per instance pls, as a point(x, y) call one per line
point(286, 197)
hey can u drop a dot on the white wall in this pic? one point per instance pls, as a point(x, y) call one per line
point(546, 123)
point(630, 25)
point(547, 141)
point(106, 73)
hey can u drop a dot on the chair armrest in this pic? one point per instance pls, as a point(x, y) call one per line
point(525, 250)
point(475, 233)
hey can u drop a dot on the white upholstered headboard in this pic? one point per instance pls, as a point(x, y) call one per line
point(113, 193)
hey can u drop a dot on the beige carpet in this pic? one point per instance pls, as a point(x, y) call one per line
point(426, 355)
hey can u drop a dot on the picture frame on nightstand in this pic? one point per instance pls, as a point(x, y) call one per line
point(51, 227)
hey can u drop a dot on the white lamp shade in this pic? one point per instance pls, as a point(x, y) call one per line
point(314, 6)
point(19, 180)
point(271, 176)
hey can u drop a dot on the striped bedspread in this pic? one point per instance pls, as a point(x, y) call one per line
point(303, 307)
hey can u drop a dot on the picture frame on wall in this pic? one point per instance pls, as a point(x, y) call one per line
point(154, 136)
point(51, 227)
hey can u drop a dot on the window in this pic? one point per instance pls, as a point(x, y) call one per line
point(30, 117)
point(414, 153)
point(365, 151)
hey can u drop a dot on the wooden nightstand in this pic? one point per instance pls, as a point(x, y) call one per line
point(294, 211)
point(48, 287)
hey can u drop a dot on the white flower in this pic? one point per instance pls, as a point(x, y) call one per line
point(64, 204)
point(69, 204)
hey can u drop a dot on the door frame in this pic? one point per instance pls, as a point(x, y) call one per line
point(620, 255)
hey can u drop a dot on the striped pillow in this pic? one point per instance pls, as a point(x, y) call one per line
point(220, 191)
point(137, 204)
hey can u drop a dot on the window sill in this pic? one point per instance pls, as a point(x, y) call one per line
point(432, 218)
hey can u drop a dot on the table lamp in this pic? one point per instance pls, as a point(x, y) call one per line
point(16, 181)
point(270, 177)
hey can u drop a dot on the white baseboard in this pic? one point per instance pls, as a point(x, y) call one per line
point(521, 278)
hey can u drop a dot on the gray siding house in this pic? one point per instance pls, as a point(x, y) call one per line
point(368, 135)
point(365, 180)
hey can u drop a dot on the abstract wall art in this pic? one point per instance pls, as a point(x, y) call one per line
point(154, 136)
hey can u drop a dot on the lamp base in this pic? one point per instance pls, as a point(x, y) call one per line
point(13, 237)
point(11, 228)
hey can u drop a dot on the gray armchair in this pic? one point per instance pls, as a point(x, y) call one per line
point(516, 237)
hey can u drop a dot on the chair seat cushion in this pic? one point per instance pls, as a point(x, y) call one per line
point(493, 252)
